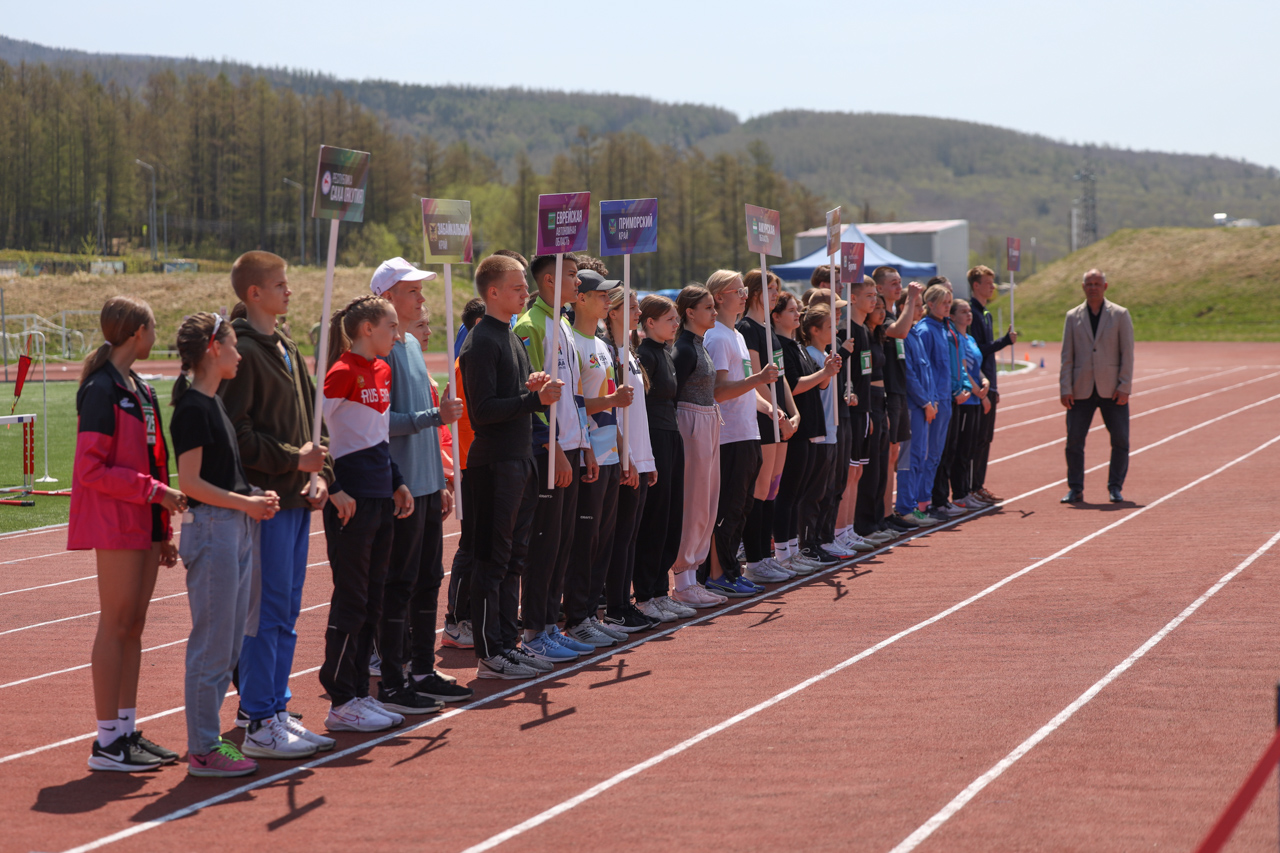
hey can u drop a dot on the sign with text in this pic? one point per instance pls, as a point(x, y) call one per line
point(629, 227)
point(562, 223)
point(833, 231)
point(446, 230)
point(342, 178)
point(851, 262)
point(764, 230)
point(1013, 259)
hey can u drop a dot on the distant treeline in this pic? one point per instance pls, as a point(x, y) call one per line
point(222, 150)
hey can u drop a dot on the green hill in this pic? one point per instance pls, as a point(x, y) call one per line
point(1179, 284)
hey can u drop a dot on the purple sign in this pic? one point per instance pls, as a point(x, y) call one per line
point(1013, 259)
point(562, 223)
point(851, 255)
point(629, 227)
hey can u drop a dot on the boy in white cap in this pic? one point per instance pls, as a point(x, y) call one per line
point(407, 628)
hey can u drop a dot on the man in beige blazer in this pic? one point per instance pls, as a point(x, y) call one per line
point(1096, 375)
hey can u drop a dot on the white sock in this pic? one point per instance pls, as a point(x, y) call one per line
point(529, 634)
point(127, 718)
point(844, 531)
point(793, 546)
point(108, 731)
point(751, 567)
point(684, 580)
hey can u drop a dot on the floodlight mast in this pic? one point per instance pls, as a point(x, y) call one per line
point(152, 226)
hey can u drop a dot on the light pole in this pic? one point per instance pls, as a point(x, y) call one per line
point(152, 226)
point(302, 213)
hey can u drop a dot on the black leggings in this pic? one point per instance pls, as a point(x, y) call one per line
point(968, 420)
point(829, 508)
point(658, 539)
point(821, 479)
point(460, 571)
point(622, 560)
point(868, 514)
point(739, 464)
point(795, 472)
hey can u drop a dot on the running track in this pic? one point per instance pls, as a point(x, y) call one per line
point(973, 689)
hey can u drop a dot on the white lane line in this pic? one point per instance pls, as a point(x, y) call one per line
point(1063, 414)
point(962, 799)
point(46, 585)
point(79, 616)
point(1057, 441)
point(636, 769)
point(560, 673)
point(32, 531)
point(1058, 399)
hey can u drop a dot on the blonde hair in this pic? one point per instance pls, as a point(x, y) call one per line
point(719, 280)
point(615, 302)
point(121, 318)
point(936, 293)
point(345, 322)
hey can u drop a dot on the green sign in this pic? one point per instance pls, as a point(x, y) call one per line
point(342, 178)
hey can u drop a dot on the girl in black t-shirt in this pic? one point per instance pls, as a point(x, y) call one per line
point(218, 535)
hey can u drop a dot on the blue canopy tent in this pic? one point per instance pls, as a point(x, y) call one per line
point(875, 256)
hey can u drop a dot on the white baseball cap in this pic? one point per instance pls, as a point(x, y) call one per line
point(396, 270)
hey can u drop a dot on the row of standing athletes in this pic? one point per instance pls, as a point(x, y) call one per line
point(702, 473)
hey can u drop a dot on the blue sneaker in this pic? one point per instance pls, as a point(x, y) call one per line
point(729, 589)
point(546, 649)
point(743, 583)
point(555, 635)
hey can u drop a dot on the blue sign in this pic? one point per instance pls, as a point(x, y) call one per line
point(629, 227)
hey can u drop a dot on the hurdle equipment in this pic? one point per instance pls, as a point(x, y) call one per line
point(28, 423)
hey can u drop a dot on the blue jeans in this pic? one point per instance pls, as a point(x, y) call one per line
point(267, 657)
point(218, 552)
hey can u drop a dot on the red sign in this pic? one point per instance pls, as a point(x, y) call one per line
point(1013, 254)
point(851, 262)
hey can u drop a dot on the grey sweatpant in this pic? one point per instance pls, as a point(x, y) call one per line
point(700, 429)
point(218, 548)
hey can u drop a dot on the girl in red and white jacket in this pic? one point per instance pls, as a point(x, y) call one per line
point(120, 506)
point(366, 495)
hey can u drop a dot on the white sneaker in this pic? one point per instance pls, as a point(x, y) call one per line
point(272, 740)
point(458, 636)
point(972, 501)
point(669, 605)
point(954, 511)
point(802, 565)
point(762, 572)
point(586, 632)
point(608, 630)
point(856, 543)
point(779, 567)
point(503, 667)
point(651, 609)
point(698, 596)
point(297, 729)
point(377, 707)
point(356, 716)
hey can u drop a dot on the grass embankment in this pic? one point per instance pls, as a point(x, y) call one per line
point(1179, 284)
point(175, 295)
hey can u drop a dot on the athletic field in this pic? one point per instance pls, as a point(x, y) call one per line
point(1031, 677)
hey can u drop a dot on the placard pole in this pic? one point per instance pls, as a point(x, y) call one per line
point(835, 277)
point(768, 341)
point(1012, 289)
point(624, 369)
point(450, 392)
point(44, 393)
point(552, 358)
point(322, 349)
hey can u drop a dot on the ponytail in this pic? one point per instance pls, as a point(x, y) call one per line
point(345, 322)
point(121, 318)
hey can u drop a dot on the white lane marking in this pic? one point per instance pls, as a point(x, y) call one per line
point(636, 769)
point(975, 787)
point(1058, 399)
point(32, 531)
point(1150, 412)
point(1148, 391)
point(79, 616)
point(560, 673)
point(45, 585)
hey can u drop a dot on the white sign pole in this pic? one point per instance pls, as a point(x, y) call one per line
point(552, 359)
point(832, 282)
point(1012, 288)
point(624, 368)
point(450, 391)
point(768, 341)
point(322, 350)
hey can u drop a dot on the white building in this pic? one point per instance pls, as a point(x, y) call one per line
point(944, 242)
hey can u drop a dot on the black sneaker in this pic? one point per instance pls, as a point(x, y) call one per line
point(406, 700)
point(435, 687)
point(629, 621)
point(821, 556)
point(242, 719)
point(898, 522)
point(166, 756)
point(122, 755)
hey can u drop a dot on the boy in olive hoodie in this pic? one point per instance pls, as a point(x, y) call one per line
point(270, 402)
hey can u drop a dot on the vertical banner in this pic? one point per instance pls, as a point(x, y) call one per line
point(446, 239)
point(1013, 261)
point(341, 190)
point(563, 219)
point(836, 277)
point(851, 261)
point(627, 228)
point(764, 236)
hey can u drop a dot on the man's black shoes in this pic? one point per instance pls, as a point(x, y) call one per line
point(1074, 496)
point(1116, 497)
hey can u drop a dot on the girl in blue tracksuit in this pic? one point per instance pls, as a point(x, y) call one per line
point(921, 408)
point(936, 341)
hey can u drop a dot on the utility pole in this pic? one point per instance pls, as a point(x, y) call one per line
point(1089, 206)
point(152, 226)
point(102, 234)
point(302, 214)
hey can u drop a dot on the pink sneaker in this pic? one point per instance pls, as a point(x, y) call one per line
point(224, 761)
point(698, 596)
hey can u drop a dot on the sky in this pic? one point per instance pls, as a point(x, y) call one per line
point(1167, 76)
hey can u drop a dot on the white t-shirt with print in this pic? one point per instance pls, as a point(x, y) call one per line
point(638, 442)
point(728, 351)
point(598, 380)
